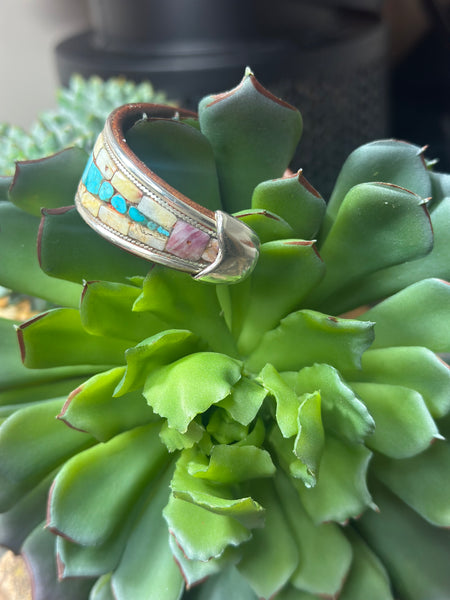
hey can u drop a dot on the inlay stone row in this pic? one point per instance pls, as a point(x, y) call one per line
point(116, 201)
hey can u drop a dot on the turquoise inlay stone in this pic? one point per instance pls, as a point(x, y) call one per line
point(86, 168)
point(106, 191)
point(93, 179)
point(119, 203)
point(163, 231)
point(151, 225)
point(136, 215)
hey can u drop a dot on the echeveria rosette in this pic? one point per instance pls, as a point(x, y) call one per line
point(257, 440)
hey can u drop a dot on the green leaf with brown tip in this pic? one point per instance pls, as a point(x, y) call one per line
point(422, 481)
point(253, 135)
point(57, 338)
point(325, 339)
point(267, 225)
point(180, 155)
point(419, 315)
point(48, 182)
point(389, 161)
point(295, 200)
point(90, 519)
point(189, 386)
point(19, 265)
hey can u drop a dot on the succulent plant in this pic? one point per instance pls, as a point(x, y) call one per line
point(81, 111)
point(282, 437)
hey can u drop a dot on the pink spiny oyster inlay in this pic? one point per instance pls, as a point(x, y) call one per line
point(187, 241)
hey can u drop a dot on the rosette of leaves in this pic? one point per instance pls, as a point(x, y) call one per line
point(282, 437)
point(81, 111)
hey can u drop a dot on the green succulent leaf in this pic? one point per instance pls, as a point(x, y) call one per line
point(422, 481)
point(244, 401)
point(267, 225)
point(137, 455)
point(413, 367)
point(147, 570)
point(325, 339)
point(102, 589)
point(153, 352)
point(92, 407)
point(218, 587)
point(39, 553)
point(341, 491)
point(387, 224)
point(106, 310)
point(271, 556)
point(389, 161)
point(247, 153)
point(190, 385)
point(52, 442)
point(419, 315)
point(368, 578)
point(287, 401)
point(325, 555)
point(5, 184)
point(43, 342)
point(414, 552)
point(180, 155)
point(174, 440)
point(19, 265)
point(310, 439)
point(69, 249)
point(48, 182)
point(295, 200)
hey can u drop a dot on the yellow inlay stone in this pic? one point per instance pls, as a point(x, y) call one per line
point(116, 221)
point(90, 202)
point(211, 251)
point(156, 213)
point(105, 164)
point(98, 145)
point(144, 235)
point(126, 188)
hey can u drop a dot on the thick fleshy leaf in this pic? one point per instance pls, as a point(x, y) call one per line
point(378, 225)
point(106, 309)
point(290, 593)
point(388, 281)
point(33, 443)
point(5, 184)
point(223, 429)
point(414, 367)
point(102, 589)
point(39, 553)
point(368, 578)
point(267, 225)
point(421, 481)
point(414, 552)
point(310, 439)
point(57, 338)
point(190, 385)
point(69, 249)
point(174, 440)
point(234, 464)
point(342, 412)
point(47, 182)
point(160, 349)
point(325, 339)
point(19, 265)
point(244, 401)
point(271, 556)
point(341, 491)
point(185, 303)
point(26, 514)
point(419, 315)
point(253, 135)
point(147, 570)
point(272, 294)
point(390, 161)
point(218, 587)
point(287, 401)
point(403, 425)
point(93, 408)
point(295, 200)
point(325, 555)
point(180, 155)
point(216, 496)
point(200, 533)
point(137, 455)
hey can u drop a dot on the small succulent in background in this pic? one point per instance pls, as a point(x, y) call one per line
point(278, 438)
point(81, 111)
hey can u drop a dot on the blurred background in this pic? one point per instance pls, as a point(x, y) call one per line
point(357, 69)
